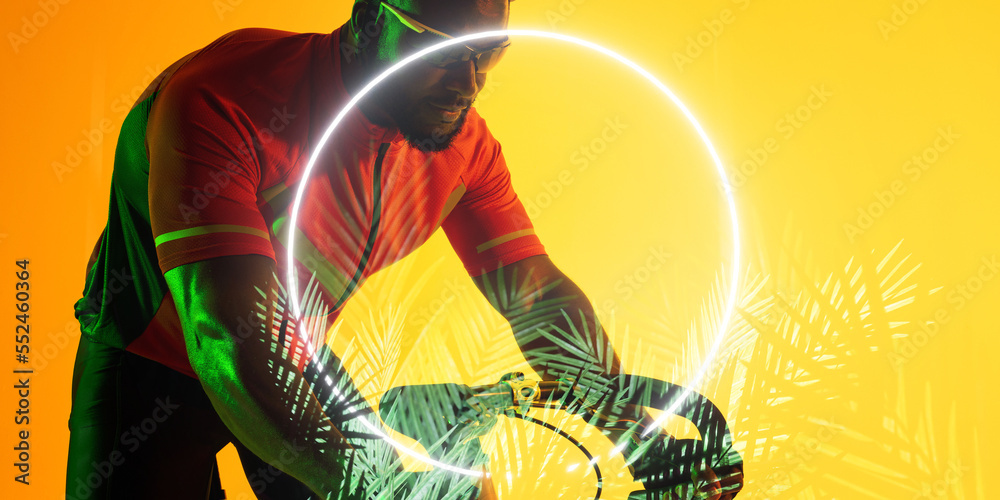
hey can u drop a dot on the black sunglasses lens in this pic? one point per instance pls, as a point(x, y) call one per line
point(486, 61)
point(449, 57)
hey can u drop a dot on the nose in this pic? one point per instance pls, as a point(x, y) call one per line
point(464, 79)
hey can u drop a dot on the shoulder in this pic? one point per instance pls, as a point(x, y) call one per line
point(475, 143)
point(476, 128)
point(247, 82)
point(263, 46)
point(249, 63)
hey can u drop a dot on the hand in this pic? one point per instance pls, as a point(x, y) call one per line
point(671, 468)
point(486, 404)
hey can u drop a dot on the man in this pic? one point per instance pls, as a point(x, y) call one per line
point(184, 310)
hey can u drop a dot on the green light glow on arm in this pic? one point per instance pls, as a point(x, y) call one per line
point(256, 389)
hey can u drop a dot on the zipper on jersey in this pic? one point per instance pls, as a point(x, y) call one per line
point(373, 231)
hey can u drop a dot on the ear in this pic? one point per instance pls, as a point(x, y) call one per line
point(365, 20)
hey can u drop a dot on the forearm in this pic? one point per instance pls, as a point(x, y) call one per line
point(560, 336)
point(552, 320)
point(256, 388)
point(242, 380)
point(556, 328)
point(570, 342)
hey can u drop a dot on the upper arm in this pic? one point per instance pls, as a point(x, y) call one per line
point(221, 302)
point(212, 242)
point(489, 226)
point(203, 178)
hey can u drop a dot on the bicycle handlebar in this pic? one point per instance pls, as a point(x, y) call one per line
point(430, 413)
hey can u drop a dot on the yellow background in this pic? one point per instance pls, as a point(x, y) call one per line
point(828, 384)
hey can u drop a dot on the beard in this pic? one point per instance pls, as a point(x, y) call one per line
point(433, 138)
point(422, 130)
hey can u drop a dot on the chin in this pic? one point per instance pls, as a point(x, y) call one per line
point(434, 138)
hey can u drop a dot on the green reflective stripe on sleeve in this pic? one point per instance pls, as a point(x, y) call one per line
point(216, 228)
point(504, 239)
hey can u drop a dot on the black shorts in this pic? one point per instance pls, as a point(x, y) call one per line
point(139, 429)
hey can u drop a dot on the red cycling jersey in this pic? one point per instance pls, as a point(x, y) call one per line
point(210, 158)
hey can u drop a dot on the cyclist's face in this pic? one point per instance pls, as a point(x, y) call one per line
point(428, 103)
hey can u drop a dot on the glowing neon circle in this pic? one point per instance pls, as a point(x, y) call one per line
point(734, 279)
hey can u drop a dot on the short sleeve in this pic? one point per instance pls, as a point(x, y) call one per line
point(203, 178)
point(489, 226)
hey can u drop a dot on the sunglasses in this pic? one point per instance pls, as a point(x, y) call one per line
point(453, 55)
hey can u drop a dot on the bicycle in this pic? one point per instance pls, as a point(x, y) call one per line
point(667, 467)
